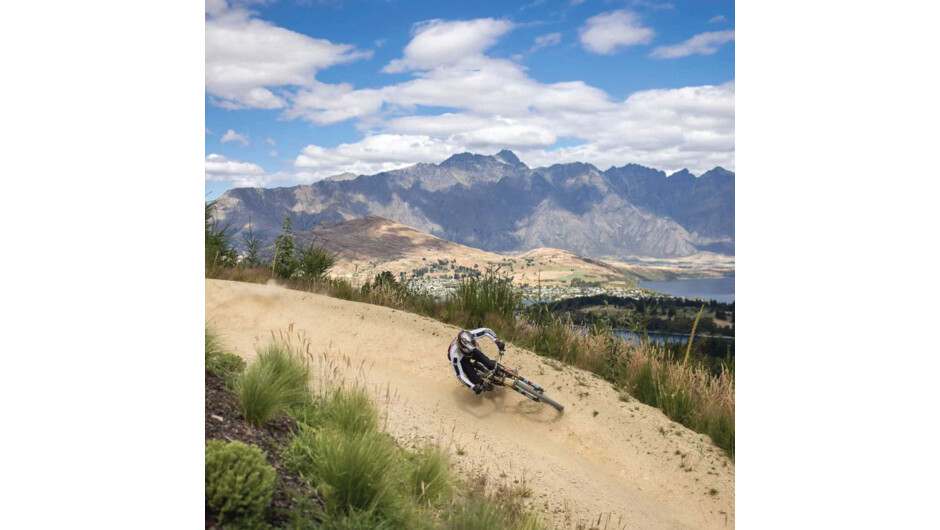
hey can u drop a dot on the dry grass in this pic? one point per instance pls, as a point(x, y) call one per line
point(239, 274)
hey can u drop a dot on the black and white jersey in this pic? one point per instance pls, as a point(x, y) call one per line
point(455, 356)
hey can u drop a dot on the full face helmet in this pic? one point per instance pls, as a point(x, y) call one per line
point(466, 342)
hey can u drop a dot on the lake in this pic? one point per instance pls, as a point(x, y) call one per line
point(719, 289)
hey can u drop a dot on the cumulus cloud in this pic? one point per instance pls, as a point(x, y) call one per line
point(495, 104)
point(717, 19)
point(241, 174)
point(608, 32)
point(440, 43)
point(702, 44)
point(232, 136)
point(373, 154)
point(248, 59)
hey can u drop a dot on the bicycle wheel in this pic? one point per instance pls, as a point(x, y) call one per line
point(541, 397)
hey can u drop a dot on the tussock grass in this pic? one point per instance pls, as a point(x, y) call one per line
point(430, 480)
point(219, 361)
point(480, 513)
point(479, 298)
point(356, 473)
point(274, 382)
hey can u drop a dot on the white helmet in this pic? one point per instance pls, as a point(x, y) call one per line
point(466, 342)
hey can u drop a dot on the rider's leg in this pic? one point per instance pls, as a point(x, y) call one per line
point(481, 358)
point(470, 370)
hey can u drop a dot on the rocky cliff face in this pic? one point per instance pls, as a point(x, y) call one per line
point(497, 203)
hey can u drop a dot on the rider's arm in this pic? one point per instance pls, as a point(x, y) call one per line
point(480, 332)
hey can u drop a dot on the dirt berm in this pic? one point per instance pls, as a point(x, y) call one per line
point(622, 462)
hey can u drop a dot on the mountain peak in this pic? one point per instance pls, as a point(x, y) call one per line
point(471, 160)
point(508, 157)
point(718, 171)
point(684, 173)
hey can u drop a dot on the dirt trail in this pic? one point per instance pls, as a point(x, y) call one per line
point(622, 461)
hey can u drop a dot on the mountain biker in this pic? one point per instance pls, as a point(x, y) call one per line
point(464, 352)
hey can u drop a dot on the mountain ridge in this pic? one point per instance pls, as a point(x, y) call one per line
point(498, 204)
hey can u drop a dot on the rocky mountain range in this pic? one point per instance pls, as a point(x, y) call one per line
point(498, 204)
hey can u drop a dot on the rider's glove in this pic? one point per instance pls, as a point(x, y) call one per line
point(500, 345)
point(477, 390)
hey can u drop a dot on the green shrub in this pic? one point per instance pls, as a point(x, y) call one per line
point(314, 261)
point(430, 479)
point(239, 484)
point(354, 472)
point(220, 362)
point(275, 381)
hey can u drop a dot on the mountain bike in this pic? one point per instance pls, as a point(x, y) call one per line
point(507, 377)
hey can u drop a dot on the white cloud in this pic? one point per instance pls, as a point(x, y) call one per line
point(607, 32)
point(222, 169)
point(717, 19)
point(209, 131)
point(272, 153)
point(441, 43)
point(246, 58)
point(702, 44)
point(495, 104)
point(232, 136)
point(325, 104)
point(655, 6)
point(544, 41)
point(270, 141)
point(373, 154)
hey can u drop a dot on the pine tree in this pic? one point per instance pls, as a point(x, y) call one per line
point(252, 249)
point(285, 263)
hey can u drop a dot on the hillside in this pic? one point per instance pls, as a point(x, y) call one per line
point(498, 204)
point(622, 461)
point(372, 244)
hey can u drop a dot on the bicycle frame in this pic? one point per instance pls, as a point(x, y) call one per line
point(501, 373)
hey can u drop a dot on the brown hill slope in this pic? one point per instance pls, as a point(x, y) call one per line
point(371, 244)
point(602, 457)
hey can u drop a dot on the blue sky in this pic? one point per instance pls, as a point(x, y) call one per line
point(300, 90)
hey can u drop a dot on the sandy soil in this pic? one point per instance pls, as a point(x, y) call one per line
point(622, 462)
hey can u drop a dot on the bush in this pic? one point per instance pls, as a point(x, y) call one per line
point(314, 262)
point(275, 381)
point(239, 484)
point(220, 362)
